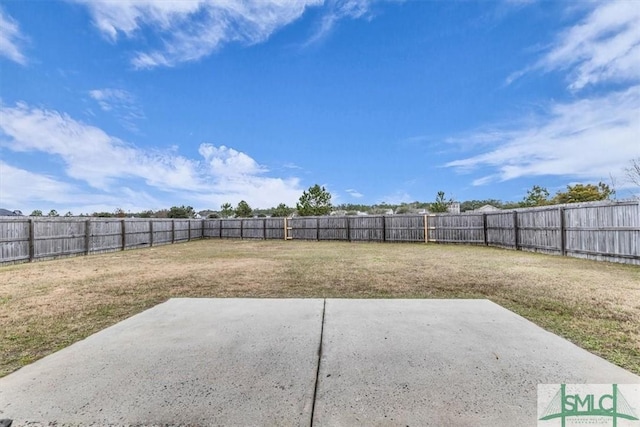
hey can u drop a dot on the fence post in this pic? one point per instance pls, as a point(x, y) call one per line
point(384, 228)
point(173, 231)
point(515, 231)
point(32, 250)
point(188, 230)
point(150, 232)
point(87, 237)
point(123, 233)
point(348, 228)
point(426, 230)
point(241, 228)
point(220, 229)
point(484, 229)
point(317, 228)
point(285, 228)
point(264, 228)
point(563, 237)
point(202, 229)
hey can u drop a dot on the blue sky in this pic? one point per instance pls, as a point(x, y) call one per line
point(146, 104)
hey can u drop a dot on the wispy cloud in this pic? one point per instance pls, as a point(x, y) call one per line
point(291, 166)
point(588, 138)
point(591, 137)
point(191, 29)
point(603, 47)
point(109, 164)
point(30, 191)
point(121, 103)
point(10, 39)
point(16, 182)
point(354, 193)
point(337, 10)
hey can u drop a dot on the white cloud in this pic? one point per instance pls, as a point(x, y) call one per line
point(90, 154)
point(603, 47)
point(122, 104)
point(191, 29)
point(236, 176)
point(291, 165)
point(225, 161)
point(109, 164)
point(31, 191)
point(589, 139)
point(10, 39)
point(354, 193)
point(15, 182)
point(106, 98)
point(336, 11)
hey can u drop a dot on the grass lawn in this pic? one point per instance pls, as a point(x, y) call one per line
point(46, 306)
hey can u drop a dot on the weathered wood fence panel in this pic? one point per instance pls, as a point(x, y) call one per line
point(105, 235)
point(162, 232)
point(405, 228)
point(212, 228)
point(304, 228)
point(15, 240)
point(463, 228)
point(58, 238)
point(333, 228)
point(231, 228)
point(180, 230)
point(274, 228)
point(501, 230)
point(367, 228)
point(601, 231)
point(539, 230)
point(610, 233)
point(138, 234)
point(253, 228)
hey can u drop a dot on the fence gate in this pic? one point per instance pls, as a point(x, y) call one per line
point(287, 230)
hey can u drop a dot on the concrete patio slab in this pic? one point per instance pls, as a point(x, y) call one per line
point(442, 363)
point(239, 362)
point(184, 362)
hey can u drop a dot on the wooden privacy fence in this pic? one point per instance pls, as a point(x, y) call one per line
point(352, 228)
point(609, 232)
point(606, 232)
point(31, 238)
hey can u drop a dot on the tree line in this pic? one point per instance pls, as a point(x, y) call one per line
point(316, 201)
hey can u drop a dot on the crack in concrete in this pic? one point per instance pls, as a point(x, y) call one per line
point(315, 390)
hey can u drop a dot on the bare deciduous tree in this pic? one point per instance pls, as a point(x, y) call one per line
point(633, 171)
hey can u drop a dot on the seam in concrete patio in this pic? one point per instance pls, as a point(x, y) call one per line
point(315, 391)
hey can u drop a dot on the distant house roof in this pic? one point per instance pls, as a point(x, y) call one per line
point(6, 212)
point(486, 208)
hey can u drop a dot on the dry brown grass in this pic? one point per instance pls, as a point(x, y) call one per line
point(46, 306)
